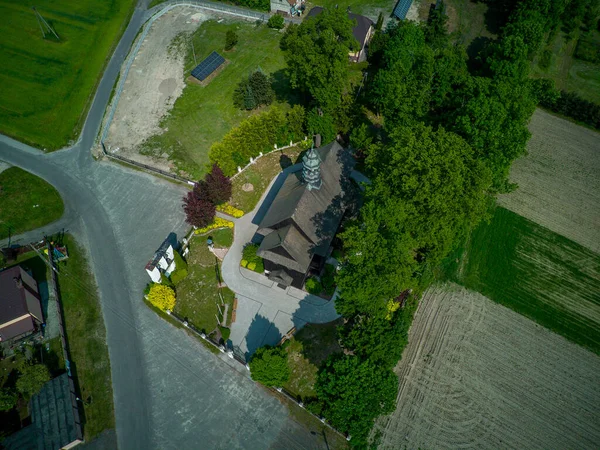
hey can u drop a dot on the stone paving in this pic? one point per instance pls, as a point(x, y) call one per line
point(266, 312)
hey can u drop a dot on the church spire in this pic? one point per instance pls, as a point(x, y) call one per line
point(311, 169)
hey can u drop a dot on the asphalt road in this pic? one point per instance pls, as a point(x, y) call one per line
point(169, 391)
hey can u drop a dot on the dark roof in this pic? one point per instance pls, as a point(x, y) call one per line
point(160, 253)
point(360, 30)
point(54, 414)
point(19, 296)
point(301, 222)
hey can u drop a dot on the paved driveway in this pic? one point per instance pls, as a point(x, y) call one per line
point(169, 391)
point(266, 312)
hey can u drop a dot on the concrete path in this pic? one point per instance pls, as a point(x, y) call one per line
point(266, 312)
point(169, 391)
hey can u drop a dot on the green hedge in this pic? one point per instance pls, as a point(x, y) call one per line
point(313, 286)
point(181, 269)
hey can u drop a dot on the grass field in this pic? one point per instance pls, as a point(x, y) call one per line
point(476, 375)
point(537, 273)
point(202, 115)
point(197, 294)
point(259, 175)
point(568, 72)
point(48, 85)
point(26, 202)
point(86, 336)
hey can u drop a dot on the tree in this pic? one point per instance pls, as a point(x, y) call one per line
point(296, 117)
point(269, 366)
point(316, 54)
point(239, 94)
point(401, 88)
point(436, 28)
point(32, 378)
point(161, 296)
point(439, 181)
point(231, 38)
point(199, 209)
point(276, 21)
point(354, 392)
point(217, 186)
point(261, 88)
point(8, 400)
point(321, 124)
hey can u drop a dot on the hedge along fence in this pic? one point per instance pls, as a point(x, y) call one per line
point(257, 134)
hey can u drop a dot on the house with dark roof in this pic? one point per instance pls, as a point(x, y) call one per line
point(55, 420)
point(363, 32)
point(303, 218)
point(20, 307)
point(163, 261)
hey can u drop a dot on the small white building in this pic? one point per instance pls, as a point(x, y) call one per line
point(162, 262)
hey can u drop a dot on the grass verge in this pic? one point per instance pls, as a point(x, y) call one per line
point(47, 83)
point(540, 274)
point(86, 336)
point(198, 293)
point(259, 175)
point(26, 202)
point(306, 351)
point(202, 115)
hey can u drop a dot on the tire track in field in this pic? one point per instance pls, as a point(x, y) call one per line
point(478, 375)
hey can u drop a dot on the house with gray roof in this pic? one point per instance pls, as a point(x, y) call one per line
point(303, 218)
point(20, 307)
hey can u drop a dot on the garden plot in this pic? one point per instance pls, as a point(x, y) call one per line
point(478, 375)
point(559, 186)
point(156, 79)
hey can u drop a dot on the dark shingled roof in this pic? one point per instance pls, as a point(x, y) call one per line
point(19, 297)
point(55, 419)
point(301, 222)
point(359, 31)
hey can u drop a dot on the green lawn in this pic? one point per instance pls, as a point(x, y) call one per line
point(535, 272)
point(48, 85)
point(26, 202)
point(568, 72)
point(86, 336)
point(198, 293)
point(259, 175)
point(307, 350)
point(202, 115)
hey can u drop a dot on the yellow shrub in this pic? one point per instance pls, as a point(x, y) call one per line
point(161, 296)
point(230, 210)
point(392, 307)
point(252, 265)
point(243, 263)
point(218, 223)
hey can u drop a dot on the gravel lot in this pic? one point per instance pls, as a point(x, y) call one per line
point(559, 181)
point(155, 81)
point(478, 375)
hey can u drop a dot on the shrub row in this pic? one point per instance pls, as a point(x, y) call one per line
point(217, 223)
point(256, 134)
point(232, 211)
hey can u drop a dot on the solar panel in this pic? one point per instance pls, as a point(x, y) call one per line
point(208, 66)
point(402, 8)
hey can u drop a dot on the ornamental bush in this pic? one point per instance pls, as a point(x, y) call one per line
point(243, 263)
point(8, 400)
point(313, 286)
point(217, 223)
point(269, 366)
point(252, 266)
point(32, 378)
point(161, 296)
point(181, 269)
point(276, 21)
point(230, 210)
point(249, 253)
point(231, 38)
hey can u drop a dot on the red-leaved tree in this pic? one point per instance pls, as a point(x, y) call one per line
point(217, 185)
point(199, 210)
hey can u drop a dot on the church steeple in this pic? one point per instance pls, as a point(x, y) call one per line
point(311, 169)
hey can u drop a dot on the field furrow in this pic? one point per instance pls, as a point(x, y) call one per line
point(478, 375)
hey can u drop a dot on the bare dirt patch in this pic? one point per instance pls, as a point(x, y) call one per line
point(155, 81)
point(478, 375)
point(559, 185)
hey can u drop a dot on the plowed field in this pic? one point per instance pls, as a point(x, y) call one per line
point(478, 375)
point(559, 181)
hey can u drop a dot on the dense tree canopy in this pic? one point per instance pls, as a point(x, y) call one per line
point(354, 392)
point(316, 53)
point(269, 366)
point(32, 378)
